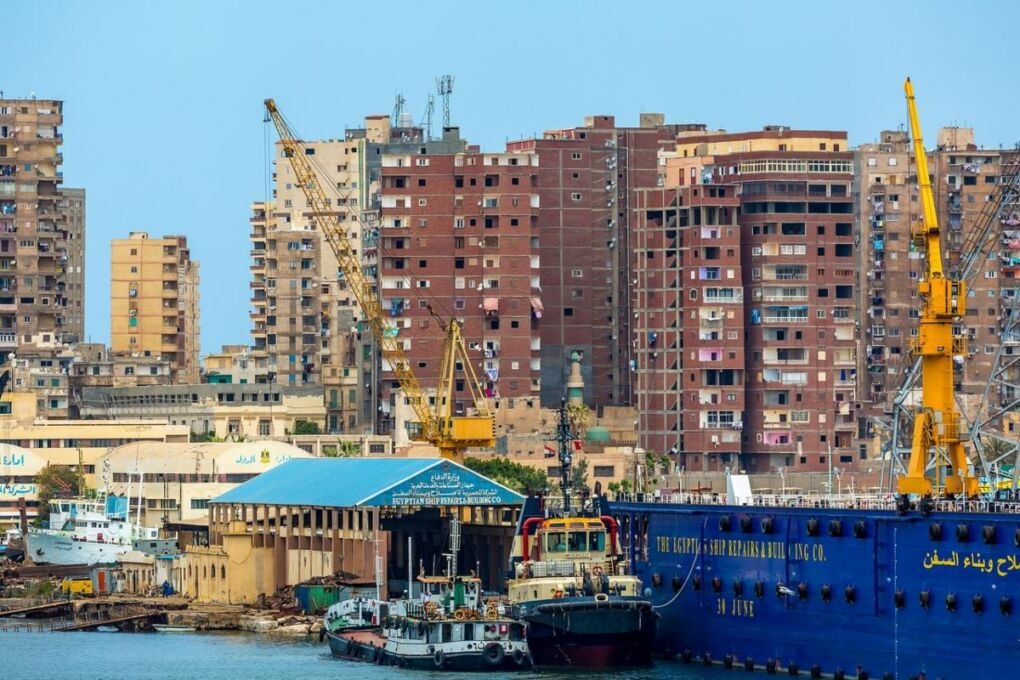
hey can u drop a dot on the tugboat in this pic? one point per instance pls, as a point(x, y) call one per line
point(581, 607)
point(449, 627)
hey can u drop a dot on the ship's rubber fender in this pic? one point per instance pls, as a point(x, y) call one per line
point(813, 525)
point(770, 666)
point(493, 654)
point(816, 671)
point(925, 598)
point(687, 655)
point(793, 670)
point(439, 658)
point(860, 529)
point(519, 658)
point(988, 534)
point(738, 588)
point(749, 664)
point(745, 524)
point(759, 588)
point(802, 590)
point(835, 527)
point(707, 658)
point(850, 594)
point(977, 603)
point(1016, 538)
point(899, 598)
point(839, 674)
point(767, 524)
point(951, 602)
point(724, 523)
point(862, 675)
point(826, 593)
point(1006, 605)
point(460, 615)
point(888, 676)
point(696, 581)
point(962, 532)
point(935, 531)
point(727, 661)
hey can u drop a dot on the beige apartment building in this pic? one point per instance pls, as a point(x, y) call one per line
point(154, 302)
point(305, 320)
point(72, 204)
point(235, 364)
point(34, 230)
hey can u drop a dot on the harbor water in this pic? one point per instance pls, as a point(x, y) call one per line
point(237, 656)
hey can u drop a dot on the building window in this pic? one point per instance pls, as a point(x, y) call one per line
point(199, 503)
point(604, 470)
point(264, 427)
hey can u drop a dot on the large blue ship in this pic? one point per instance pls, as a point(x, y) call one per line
point(851, 591)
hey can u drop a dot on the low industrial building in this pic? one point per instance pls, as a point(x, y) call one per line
point(353, 516)
point(227, 411)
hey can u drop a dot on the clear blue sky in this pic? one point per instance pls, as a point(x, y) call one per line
point(163, 100)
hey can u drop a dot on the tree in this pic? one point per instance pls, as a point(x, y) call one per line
point(579, 475)
point(54, 481)
point(520, 478)
point(306, 427)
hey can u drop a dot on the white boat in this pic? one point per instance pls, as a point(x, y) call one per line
point(168, 628)
point(87, 531)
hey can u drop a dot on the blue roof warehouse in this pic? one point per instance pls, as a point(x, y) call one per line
point(318, 517)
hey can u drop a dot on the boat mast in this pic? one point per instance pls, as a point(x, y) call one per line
point(564, 439)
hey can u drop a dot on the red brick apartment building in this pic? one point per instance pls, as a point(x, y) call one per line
point(458, 232)
point(585, 179)
point(758, 336)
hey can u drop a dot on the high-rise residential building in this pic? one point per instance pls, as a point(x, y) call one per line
point(458, 232)
point(584, 184)
point(305, 318)
point(964, 179)
point(154, 302)
point(72, 204)
point(890, 264)
point(784, 271)
point(33, 228)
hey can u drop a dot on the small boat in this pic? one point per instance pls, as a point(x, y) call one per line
point(167, 628)
point(12, 545)
point(448, 628)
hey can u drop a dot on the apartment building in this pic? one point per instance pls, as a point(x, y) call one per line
point(233, 364)
point(584, 184)
point(796, 285)
point(154, 302)
point(689, 359)
point(458, 232)
point(33, 228)
point(72, 204)
point(886, 192)
point(94, 365)
point(305, 318)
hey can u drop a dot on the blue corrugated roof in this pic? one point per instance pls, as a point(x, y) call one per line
point(350, 482)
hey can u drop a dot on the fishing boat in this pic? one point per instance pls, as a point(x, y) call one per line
point(581, 606)
point(11, 545)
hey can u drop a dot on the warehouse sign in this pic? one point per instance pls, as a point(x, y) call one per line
point(445, 485)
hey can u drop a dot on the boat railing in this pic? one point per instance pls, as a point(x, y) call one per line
point(854, 501)
point(553, 568)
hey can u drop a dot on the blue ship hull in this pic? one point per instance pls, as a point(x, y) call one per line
point(831, 589)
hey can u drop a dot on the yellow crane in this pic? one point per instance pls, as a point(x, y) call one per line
point(943, 301)
point(450, 433)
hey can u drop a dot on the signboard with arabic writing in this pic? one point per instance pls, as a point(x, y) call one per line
point(447, 485)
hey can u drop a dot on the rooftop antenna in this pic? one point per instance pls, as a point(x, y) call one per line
point(444, 86)
point(398, 109)
point(430, 109)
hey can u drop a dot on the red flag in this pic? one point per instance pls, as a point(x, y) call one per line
point(577, 444)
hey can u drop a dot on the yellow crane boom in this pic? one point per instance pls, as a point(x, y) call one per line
point(943, 301)
point(450, 433)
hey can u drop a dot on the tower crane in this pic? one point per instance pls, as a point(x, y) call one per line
point(943, 301)
point(450, 433)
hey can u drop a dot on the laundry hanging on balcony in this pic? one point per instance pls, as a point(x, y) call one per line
point(536, 307)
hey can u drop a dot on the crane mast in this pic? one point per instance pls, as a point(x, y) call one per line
point(937, 424)
point(451, 434)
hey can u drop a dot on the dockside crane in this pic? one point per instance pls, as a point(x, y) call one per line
point(937, 425)
point(451, 434)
